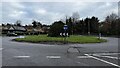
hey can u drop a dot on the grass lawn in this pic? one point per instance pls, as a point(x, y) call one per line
point(71, 39)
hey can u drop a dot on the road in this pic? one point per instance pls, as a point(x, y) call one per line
point(31, 54)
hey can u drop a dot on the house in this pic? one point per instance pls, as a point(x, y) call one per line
point(37, 30)
point(45, 29)
point(14, 29)
point(20, 30)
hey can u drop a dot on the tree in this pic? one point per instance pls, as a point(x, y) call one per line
point(3, 24)
point(70, 25)
point(34, 23)
point(94, 25)
point(111, 17)
point(76, 16)
point(79, 27)
point(118, 27)
point(9, 24)
point(112, 22)
point(39, 24)
point(56, 28)
point(86, 25)
point(18, 23)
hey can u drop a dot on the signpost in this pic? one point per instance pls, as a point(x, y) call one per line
point(65, 32)
point(65, 35)
point(65, 27)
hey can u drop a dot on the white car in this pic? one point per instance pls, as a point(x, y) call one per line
point(11, 34)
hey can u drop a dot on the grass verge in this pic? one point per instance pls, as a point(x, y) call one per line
point(71, 39)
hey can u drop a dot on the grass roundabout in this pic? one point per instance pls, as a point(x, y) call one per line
point(72, 39)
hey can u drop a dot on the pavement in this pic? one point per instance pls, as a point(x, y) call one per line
point(31, 54)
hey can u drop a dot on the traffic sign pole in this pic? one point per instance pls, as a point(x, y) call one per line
point(65, 30)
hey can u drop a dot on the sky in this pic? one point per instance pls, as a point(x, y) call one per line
point(48, 12)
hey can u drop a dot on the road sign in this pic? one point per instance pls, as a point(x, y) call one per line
point(65, 27)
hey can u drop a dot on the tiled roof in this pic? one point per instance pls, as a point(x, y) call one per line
point(19, 28)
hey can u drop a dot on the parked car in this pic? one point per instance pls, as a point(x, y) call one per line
point(11, 34)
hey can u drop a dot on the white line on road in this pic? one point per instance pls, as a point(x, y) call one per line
point(110, 57)
point(21, 56)
point(108, 53)
point(82, 57)
point(106, 56)
point(103, 55)
point(53, 57)
point(102, 60)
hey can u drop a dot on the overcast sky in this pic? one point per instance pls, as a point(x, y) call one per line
point(48, 12)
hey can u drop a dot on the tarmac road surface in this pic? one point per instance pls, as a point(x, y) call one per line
point(31, 54)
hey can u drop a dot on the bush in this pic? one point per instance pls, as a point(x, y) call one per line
point(56, 28)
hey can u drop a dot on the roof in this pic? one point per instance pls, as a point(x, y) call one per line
point(4, 28)
point(19, 28)
point(13, 28)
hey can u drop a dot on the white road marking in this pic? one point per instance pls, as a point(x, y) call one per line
point(96, 55)
point(107, 53)
point(53, 57)
point(82, 57)
point(47, 45)
point(110, 57)
point(21, 56)
point(102, 60)
point(106, 56)
point(102, 55)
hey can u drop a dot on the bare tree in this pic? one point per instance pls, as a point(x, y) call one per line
point(111, 17)
point(18, 23)
point(75, 16)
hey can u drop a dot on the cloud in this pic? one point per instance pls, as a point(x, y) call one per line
point(16, 5)
point(48, 17)
point(16, 14)
point(0, 11)
point(48, 12)
point(41, 11)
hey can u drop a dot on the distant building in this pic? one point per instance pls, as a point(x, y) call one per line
point(37, 30)
point(20, 30)
point(12, 28)
point(46, 29)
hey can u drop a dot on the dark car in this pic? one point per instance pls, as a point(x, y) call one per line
point(11, 34)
